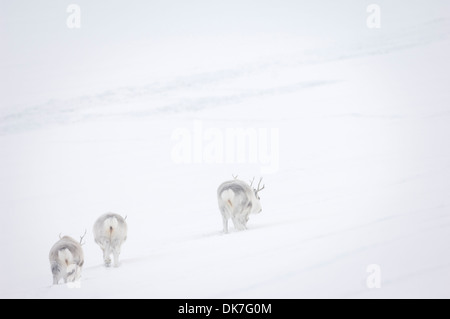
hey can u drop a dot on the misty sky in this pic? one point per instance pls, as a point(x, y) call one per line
point(128, 42)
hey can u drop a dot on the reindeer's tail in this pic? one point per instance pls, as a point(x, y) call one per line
point(65, 257)
point(110, 225)
point(227, 206)
point(228, 197)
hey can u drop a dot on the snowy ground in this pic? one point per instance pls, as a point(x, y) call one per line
point(363, 158)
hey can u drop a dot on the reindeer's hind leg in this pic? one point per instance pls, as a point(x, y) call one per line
point(225, 224)
point(116, 253)
point(107, 253)
point(224, 219)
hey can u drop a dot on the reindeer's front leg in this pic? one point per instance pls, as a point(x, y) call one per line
point(237, 222)
point(241, 218)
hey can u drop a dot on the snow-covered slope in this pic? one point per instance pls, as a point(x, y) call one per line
point(362, 174)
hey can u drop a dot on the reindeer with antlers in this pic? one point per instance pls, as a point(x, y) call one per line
point(237, 200)
point(67, 259)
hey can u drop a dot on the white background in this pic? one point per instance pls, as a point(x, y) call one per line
point(87, 116)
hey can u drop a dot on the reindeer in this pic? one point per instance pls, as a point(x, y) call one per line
point(237, 200)
point(66, 259)
point(110, 232)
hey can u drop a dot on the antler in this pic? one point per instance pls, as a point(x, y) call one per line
point(82, 237)
point(259, 186)
point(59, 236)
point(235, 176)
point(251, 182)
